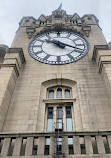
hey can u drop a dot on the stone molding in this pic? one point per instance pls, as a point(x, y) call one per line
point(102, 55)
point(59, 21)
point(13, 60)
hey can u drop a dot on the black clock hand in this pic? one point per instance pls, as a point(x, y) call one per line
point(69, 45)
point(61, 44)
point(56, 42)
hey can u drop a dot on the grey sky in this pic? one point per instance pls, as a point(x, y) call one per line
point(12, 11)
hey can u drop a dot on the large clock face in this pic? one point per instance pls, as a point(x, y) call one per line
point(58, 48)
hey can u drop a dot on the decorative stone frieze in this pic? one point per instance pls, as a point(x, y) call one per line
point(59, 20)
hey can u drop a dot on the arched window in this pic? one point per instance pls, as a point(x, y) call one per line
point(51, 94)
point(67, 93)
point(59, 93)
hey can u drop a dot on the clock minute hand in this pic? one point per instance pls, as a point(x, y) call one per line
point(70, 46)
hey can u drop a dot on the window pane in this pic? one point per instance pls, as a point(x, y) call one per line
point(59, 93)
point(69, 124)
point(59, 123)
point(49, 125)
point(71, 150)
point(67, 93)
point(59, 118)
point(59, 141)
point(70, 141)
point(50, 113)
point(59, 113)
point(47, 141)
point(51, 94)
point(46, 151)
point(68, 112)
point(50, 119)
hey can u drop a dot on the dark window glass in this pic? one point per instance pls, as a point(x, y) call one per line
point(59, 149)
point(59, 93)
point(68, 118)
point(47, 146)
point(46, 151)
point(71, 150)
point(50, 113)
point(70, 144)
point(51, 94)
point(67, 93)
point(68, 112)
point(50, 119)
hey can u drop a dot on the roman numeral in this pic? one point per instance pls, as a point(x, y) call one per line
point(37, 45)
point(76, 39)
point(58, 58)
point(77, 50)
point(70, 56)
point(40, 40)
point(79, 44)
point(46, 57)
point(38, 52)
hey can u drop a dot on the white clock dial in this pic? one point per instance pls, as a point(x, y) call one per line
point(58, 48)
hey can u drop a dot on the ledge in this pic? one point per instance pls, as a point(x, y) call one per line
point(11, 65)
point(56, 101)
point(102, 55)
point(20, 51)
point(65, 133)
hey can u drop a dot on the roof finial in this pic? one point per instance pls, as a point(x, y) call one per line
point(60, 7)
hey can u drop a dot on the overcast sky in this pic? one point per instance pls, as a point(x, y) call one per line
point(12, 11)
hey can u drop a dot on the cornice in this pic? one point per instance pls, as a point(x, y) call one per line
point(59, 20)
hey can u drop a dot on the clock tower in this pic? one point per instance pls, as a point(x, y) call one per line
point(55, 89)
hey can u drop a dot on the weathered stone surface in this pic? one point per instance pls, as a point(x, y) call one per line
point(6, 146)
point(17, 146)
point(23, 87)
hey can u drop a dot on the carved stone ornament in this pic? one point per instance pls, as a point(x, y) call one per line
point(59, 21)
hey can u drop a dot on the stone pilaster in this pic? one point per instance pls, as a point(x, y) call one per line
point(102, 56)
point(9, 71)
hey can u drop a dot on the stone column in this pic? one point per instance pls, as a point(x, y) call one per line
point(76, 144)
point(17, 146)
point(41, 146)
point(100, 145)
point(5, 148)
point(29, 146)
point(88, 145)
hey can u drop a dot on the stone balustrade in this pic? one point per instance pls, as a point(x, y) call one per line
point(85, 144)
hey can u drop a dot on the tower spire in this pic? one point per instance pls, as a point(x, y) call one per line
point(60, 7)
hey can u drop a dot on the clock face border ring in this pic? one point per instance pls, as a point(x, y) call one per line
point(57, 62)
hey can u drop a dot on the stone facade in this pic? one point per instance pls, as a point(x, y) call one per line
point(24, 85)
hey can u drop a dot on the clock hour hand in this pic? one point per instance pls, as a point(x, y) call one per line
point(61, 44)
point(56, 42)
